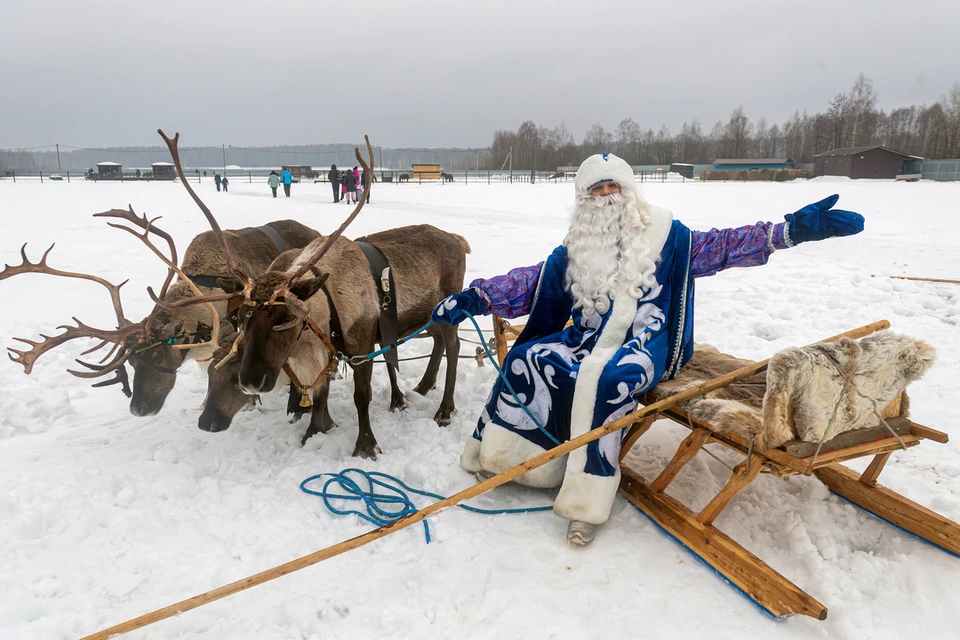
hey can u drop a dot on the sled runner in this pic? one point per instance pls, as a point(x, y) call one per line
point(695, 529)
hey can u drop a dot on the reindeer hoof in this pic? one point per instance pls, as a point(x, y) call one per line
point(444, 418)
point(399, 402)
point(367, 452)
point(424, 389)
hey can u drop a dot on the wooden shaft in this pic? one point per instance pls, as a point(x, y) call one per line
point(466, 494)
point(929, 433)
point(871, 473)
point(743, 474)
point(685, 452)
point(926, 279)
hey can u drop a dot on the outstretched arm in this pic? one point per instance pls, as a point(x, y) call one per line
point(750, 246)
point(717, 249)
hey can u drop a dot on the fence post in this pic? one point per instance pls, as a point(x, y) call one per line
point(41, 176)
point(68, 176)
point(250, 176)
point(13, 172)
point(488, 176)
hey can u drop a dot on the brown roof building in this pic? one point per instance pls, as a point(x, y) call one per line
point(861, 162)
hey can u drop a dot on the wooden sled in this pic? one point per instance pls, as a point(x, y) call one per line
point(695, 530)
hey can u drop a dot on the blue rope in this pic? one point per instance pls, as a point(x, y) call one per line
point(379, 504)
point(380, 515)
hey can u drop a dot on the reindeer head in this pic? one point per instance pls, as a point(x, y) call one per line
point(224, 396)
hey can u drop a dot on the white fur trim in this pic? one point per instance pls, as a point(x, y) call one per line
point(470, 458)
point(502, 449)
point(586, 497)
point(601, 167)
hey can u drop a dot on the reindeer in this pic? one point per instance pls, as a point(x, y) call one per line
point(155, 371)
point(225, 397)
point(428, 264)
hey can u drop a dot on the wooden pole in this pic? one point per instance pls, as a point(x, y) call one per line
point(466, 494)
point(926, 279)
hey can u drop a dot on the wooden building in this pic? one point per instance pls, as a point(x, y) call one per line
point(861, 162)
point(109, 170)
point(163, 171)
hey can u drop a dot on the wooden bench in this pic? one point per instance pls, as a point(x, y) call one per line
point(695, 529)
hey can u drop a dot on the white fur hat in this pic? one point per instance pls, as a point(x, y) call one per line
point(602, 167)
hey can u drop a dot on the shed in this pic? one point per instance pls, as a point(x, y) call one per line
point(745, 164)
point(862, 162)
point(426, 171)
point(109, 170)
point(683, 168)
point(163, 171)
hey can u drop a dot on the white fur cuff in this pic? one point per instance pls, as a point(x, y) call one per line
point(587, 497)
point(502, 449)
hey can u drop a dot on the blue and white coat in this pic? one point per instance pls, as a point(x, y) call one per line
point(579, 378)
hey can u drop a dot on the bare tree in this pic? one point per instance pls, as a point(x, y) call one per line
point(738, 133)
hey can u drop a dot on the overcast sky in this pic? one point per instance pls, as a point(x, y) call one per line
point(417, 73)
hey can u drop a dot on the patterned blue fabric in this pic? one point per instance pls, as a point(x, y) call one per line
point(545, 360)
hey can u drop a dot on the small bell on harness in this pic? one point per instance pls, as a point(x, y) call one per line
point(305, 400)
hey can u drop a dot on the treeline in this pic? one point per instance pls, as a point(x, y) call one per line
point(850, 120)
point(317, 156)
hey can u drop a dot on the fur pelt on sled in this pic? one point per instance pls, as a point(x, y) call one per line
point(805, 395)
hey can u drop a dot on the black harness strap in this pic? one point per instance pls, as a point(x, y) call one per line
point(336, 331)
point(386, 295)
point(271, 233)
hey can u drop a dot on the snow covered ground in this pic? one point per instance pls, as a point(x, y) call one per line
point(105, 516)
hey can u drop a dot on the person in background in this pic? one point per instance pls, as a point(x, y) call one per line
point(286, 177)
point(625, 274)
point(274, 181)
point(224, 182)
point(216, 180)
point(334, 177)
point(351, 184)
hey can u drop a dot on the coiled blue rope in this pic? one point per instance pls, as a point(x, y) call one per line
point(378, 502)
point(380, 515)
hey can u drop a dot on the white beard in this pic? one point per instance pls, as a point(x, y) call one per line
point(605, 253)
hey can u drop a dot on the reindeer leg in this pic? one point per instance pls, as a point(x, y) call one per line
point(447, 408)
point(429, 379)
point(362, 392)
point(320, 420)
point(397, 399)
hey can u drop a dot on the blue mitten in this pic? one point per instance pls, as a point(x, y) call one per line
point(818, 221)
point(453, 309)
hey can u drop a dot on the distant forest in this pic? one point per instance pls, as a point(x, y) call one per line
point(851, 119)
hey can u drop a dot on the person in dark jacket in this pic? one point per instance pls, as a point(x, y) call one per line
point(334, 178)
point(224, 182)
point(286, 177)
point(216, 180)
point(351, 181)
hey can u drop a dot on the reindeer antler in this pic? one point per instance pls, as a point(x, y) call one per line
point(42, 267)
point(232, 264)
point(283, 291)
point(149, 227)
point(29, 357)
point(305, 267)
